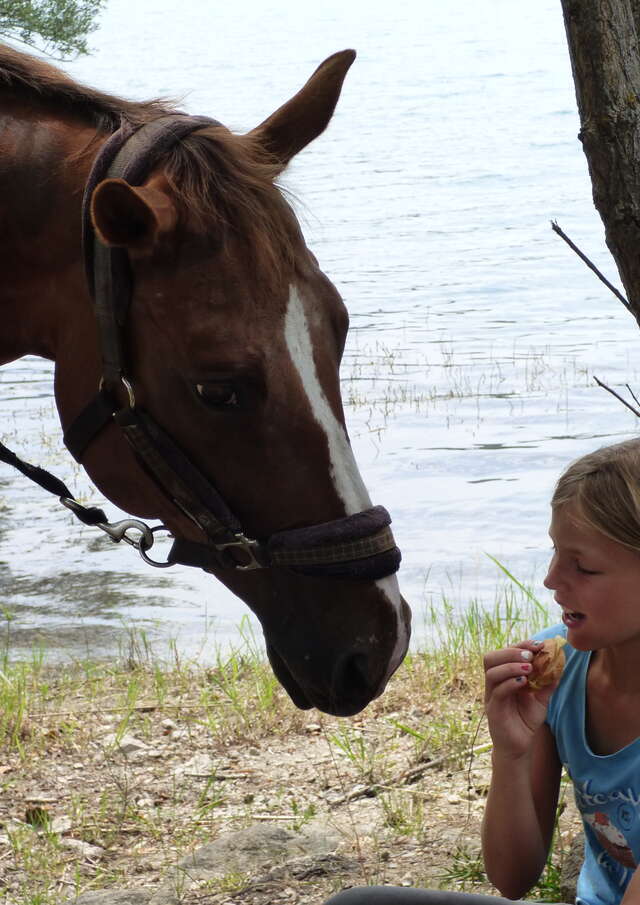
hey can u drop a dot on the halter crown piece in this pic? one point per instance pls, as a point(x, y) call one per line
point(359, 546)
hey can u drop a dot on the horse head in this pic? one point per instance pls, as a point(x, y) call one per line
point(233, 339)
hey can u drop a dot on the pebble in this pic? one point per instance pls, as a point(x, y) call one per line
point(83, 848)
point(128, 744)
point(200, 765)
point(61, 825)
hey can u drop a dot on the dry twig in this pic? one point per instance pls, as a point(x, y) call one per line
point(590, 264)
point(635, 411)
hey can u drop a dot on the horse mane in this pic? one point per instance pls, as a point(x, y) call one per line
point(226, 182)
point(222, 181)
point(25, 73)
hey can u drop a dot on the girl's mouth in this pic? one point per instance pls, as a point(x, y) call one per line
point(572, 617)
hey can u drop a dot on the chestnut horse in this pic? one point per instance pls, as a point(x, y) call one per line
point(196, 369)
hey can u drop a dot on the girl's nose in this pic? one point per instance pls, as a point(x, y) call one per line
point(551, 578)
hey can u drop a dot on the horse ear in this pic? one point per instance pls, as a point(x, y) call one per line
point(130, 216)
point(307, 114)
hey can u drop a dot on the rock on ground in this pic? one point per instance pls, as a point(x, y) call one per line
point(262, 854)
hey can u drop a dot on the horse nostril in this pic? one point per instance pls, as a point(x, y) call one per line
point(352, 684)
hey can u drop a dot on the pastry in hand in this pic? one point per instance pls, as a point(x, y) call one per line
point(548, 663)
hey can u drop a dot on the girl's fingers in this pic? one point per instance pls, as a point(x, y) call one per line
point(533, 646)
point(520, 653)
point(508, 664)
point(497, 676)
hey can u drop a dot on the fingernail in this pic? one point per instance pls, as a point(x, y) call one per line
point(526, 655)
point(537, 643)
point(520, 679)
point(526, 667)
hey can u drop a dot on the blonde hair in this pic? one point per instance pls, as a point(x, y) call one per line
point(604, 488)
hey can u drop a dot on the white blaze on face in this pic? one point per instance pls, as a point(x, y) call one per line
point(344, 471)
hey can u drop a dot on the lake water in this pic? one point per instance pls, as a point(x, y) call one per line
point(476, 333)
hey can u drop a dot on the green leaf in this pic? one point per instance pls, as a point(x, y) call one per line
point(56, 27)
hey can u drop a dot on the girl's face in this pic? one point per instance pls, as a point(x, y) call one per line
point(596, 582)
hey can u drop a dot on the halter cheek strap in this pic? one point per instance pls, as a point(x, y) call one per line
point(129, 154)
point(358, 546)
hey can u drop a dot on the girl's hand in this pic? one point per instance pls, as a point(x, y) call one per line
point(514, 711)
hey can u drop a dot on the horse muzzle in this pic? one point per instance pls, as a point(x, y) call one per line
point(337, 672)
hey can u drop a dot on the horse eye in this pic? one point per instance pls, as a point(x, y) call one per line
point(218, 395)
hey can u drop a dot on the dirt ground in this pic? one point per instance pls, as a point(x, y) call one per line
point(88, 806)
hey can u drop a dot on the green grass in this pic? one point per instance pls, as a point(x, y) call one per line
point(430, 714)
point(515, 614)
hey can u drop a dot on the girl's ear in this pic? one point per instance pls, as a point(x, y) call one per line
point(132, 217)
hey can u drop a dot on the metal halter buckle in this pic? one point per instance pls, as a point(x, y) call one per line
point(247, 546)
point(131, 396)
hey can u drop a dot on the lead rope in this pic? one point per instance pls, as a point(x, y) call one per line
point(89, 515)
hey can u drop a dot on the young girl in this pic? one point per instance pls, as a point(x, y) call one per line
point(589, 722)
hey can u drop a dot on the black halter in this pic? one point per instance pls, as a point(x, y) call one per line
point(358, 546)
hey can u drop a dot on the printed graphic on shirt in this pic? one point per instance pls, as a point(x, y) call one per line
point(610, 838)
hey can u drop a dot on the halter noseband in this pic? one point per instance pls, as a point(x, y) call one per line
point(358, 546)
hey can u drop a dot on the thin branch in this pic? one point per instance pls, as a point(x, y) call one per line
point(591, 265)
point(407, 777)
point(633, 395)
point(635, 411)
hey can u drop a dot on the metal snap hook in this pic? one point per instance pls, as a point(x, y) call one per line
point(117, 531)
point(143, 546)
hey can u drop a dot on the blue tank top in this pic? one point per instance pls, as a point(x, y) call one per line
point(606, 788)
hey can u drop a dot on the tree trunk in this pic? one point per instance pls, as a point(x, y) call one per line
point(603, 46)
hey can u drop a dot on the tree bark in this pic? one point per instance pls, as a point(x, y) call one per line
point(603, 46)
